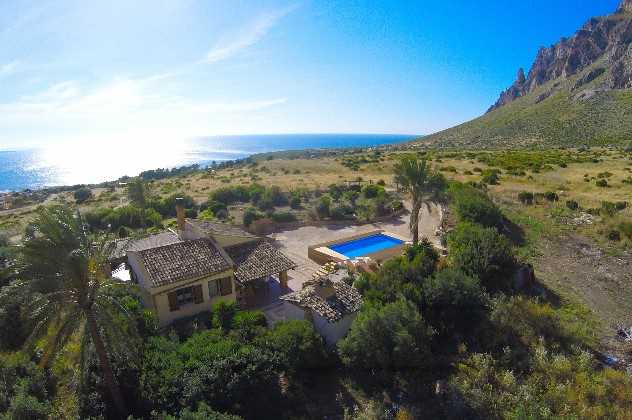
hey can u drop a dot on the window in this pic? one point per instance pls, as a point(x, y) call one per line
point(220, 287)
point(184, 296)
point(213, 288)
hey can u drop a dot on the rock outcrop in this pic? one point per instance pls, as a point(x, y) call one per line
point(608, 38)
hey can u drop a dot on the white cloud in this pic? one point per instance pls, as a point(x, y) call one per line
point(9, 68)
point(117, 97)
point(246, 36)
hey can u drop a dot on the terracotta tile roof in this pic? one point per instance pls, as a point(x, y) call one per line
point(121, 246)
point(330, 299)
point(183, 261)
point(257, 259)
point(224, 229)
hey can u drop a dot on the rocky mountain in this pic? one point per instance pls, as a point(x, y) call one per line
point(578, 90)
point(607, 36)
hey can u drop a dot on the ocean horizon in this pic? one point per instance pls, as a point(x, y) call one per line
point(59, 165)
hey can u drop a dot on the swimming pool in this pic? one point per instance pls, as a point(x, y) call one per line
point(366, 245)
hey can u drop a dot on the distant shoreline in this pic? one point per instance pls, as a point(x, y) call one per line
point(237, 154)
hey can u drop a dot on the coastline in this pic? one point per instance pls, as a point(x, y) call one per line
point(207, 158)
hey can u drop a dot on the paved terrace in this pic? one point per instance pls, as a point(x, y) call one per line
point(294, 242)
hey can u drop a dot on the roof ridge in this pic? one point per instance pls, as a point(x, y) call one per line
point(181, 241)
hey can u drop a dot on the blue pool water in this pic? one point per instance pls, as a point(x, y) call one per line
point(365, 246)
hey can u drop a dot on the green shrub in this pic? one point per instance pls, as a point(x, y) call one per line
point(608, 208)
point(472, 205)
point(372, 190)
point(484, 253)
point(323, 207)
point(526, 197)
point(572, 204)
point(551, 196)
point(490, 176)
point(391, 336)
point(453, 302)
point(82, 194)
point(614, 235)
point(602, 183)
point(284, 217)
point(626, 229)
point(297, 343)
point(250, 215)
point(295, 201)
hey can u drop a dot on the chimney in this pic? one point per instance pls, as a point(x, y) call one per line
point(180, 214)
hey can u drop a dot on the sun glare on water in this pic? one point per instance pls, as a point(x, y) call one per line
point(98, 161)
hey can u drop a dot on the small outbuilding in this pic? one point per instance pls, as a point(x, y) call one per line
point(328, 302)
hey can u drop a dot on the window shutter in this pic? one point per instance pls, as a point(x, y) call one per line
point(198, 297)
point(173, 301)
point(226, 286)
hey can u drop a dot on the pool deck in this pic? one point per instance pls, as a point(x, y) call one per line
point(294, 242)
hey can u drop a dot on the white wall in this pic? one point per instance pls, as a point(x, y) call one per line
point(333, 332)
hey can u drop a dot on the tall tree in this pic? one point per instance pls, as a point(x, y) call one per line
point(138, 194)
point(72, 291)
point(422, 183)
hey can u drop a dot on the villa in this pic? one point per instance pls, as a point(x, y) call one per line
point(183, 273)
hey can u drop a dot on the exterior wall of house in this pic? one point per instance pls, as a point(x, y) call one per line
point(333, 332)
point(161, 299)
point(142, 277)
point(157, 299)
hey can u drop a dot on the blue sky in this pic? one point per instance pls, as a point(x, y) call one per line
point(127, 70)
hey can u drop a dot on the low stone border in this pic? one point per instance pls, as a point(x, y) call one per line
point(275, 227)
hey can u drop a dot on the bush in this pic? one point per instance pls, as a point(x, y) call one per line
point(298, 344)
point(614, 235)
point(231, 195)
point(284, 217)
point(372, 190)
point(453, 302)
point(626, 229)
point(391, 336)
point(551, 196)
point(472, 205)
point(295, 201)
point(490, 176)
point(23, 389)
point(323, 207)
point(250, 215)
point(526, 197)
point(602, 183)
point(484, 253)
point(203, 412)
point(223, 314)
point(82, 194)
point(572, 204)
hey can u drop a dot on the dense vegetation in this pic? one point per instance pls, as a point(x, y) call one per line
point(437, 337)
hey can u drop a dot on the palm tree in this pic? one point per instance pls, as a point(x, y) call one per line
point(71, 287)
point(422, 182)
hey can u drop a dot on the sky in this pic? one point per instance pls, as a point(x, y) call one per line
point(120, 70)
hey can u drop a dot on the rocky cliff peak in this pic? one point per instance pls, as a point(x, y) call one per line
point(625, 6)
point(598, 38)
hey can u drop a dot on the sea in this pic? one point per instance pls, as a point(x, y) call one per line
point(77, 163)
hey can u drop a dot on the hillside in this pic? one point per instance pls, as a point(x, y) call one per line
point(578, 91)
